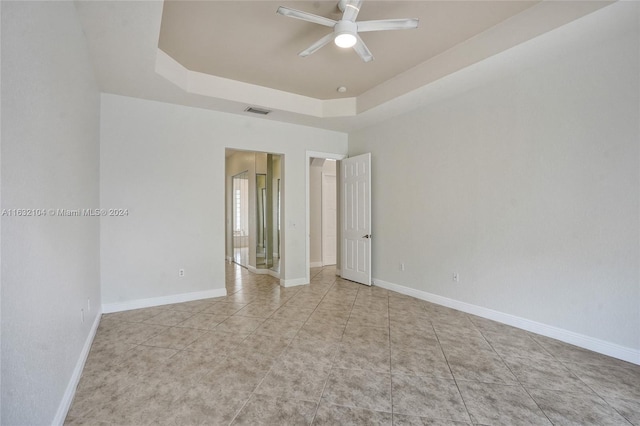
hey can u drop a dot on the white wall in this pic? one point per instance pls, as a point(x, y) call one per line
point(50, 265)
point(527, 186)
point(0, 220)
point(166, 164)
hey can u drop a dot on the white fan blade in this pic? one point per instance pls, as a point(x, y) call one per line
point(387, 24)
point(305, 16)
point(362, 50)
point(317, 45)
point(351, 9)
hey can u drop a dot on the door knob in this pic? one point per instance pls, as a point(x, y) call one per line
point(366, 236)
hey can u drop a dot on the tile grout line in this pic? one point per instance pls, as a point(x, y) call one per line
point(260, 290)
point(390, 360)
point(511, 371)
point(253, 392)
point(451, 371)
point(522, 385)
point(339, 343)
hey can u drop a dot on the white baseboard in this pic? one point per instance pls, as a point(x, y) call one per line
point(262, 271)
point(274, 274)
point(293, 282)
point(70, 392)
point(320, 264)
point(586, 342)
point(163, 300)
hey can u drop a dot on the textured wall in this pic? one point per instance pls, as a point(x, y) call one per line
point(527, 184)
point(50, 149)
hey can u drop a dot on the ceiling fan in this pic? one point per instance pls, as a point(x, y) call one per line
point(345, 31)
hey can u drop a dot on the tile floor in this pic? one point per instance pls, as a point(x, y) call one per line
point(338, 353)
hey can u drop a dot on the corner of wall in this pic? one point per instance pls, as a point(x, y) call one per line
point(70, 391)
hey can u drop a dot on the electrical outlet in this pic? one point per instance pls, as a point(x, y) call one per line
point(181, 273)
point(456, 277)
point(402, 266)
point(81, 316)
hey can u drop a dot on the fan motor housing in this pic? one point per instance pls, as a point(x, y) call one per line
point(345, 27)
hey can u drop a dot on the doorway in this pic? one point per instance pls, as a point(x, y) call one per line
point(322, 210)
point(323, 233)
point(253, 206)
point(329, 217)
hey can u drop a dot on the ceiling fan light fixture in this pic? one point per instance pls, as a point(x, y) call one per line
point(345, 33)
point(345, 40)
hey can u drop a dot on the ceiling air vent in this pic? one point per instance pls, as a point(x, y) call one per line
point(257, 110)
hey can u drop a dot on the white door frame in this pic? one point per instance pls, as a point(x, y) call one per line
point(309, 156)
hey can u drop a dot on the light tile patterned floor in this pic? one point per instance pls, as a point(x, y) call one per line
point(338, 353)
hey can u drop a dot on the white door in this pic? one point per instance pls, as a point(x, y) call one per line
point(329, 220)
point(356, 219)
